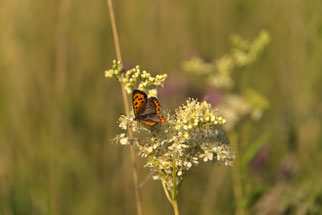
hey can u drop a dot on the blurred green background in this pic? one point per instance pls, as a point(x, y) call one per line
point(58, 112)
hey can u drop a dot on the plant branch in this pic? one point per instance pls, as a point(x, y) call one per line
point(114, 30)
point(174, 188)
point(175, 207)
point(236, 176)
point(166, 192)
point(146, 179)
point(127, 110)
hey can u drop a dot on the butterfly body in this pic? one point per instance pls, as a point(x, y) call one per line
point(146, 110)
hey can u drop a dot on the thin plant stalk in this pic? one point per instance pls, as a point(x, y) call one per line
point(173, 200)
point(174, 191)
point(174, 188)
point(175, 207)
point(166, 192)
point(236, 178)
point(127, 110)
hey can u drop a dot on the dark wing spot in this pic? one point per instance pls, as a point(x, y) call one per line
point(136, 107)
point(142, 102)
point(135, 103)
point(140, 98)
point(136, 97)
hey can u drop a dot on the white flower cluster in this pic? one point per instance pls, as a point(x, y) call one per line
point(115, 72)
point(196, 65)
point(134, 76)
point(193, 134)
point(218, 72)
point(235, 108)
point(246, 52)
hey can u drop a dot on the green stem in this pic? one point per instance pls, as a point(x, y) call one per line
point(174, 188)
point(166, 192)
point(172, 201)
point(175, 207)
point(174, 179)
point(236, 176)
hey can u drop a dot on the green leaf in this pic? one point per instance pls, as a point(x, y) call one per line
point(253, 149)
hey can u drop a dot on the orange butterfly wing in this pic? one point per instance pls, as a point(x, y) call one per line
point(146, 111)
point(151, 119)
point(139, 99)
point(147, 122)
point(161, 119)
point(157, 104)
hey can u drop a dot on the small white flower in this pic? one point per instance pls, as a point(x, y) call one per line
point(150, 150)
point(152, 93)
point(155, 177)
point(124, 141)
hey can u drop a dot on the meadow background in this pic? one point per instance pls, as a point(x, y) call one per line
point(58, 113)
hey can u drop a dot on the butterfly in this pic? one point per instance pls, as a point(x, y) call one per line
point(146, 110)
